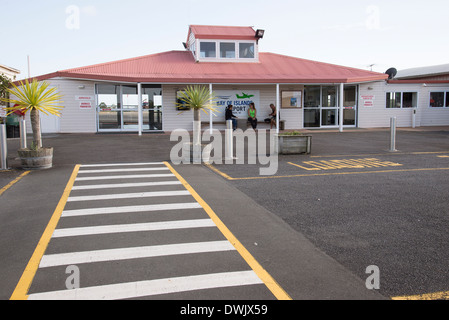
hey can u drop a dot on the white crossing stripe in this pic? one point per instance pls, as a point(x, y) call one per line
point(153, 287)
point(131, 176)
point(126, 185)
point(135, 227)
point(131, 195)
point(62, 259)
point(122, 170)
point(120, 164)
point(128, 209)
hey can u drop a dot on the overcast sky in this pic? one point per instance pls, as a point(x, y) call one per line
point(60, 34)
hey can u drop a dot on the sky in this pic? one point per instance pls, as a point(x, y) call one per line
point(373, 34)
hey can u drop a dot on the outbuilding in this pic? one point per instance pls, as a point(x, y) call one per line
point(139, 94)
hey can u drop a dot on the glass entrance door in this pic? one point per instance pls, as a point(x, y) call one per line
point(118, 107)
point(321, 108)
point(350, 106)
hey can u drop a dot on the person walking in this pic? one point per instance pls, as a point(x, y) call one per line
point(252, 115)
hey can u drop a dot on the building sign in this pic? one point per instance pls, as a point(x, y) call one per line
point(85, 105)
point(2, 112)
point(85, 102)
point(367, 100)
point(240, 100)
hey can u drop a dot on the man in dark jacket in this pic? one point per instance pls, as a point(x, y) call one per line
point(230, 116)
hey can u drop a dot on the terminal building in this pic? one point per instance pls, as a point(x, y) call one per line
point(140, 94)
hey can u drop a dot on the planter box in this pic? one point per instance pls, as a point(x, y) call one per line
point(36, 159)
point(290, 144)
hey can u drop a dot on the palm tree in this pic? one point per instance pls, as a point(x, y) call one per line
point(34, 97)
point(198, 98)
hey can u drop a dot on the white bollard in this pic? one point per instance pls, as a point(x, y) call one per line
point(3, 148)
point(229, 141)
point(23, 134)
point(393, 134)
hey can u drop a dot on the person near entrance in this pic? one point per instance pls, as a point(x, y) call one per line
point(273, 115)
point(230, 116)
point(252, 113)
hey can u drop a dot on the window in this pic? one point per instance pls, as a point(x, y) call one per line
point(437, 99)
point(246, 50)
point(447, 99)
point(393, 100)
point(402, 100)
point(227, 50)
point(208, 50)
point(410, 100)
point(329, 97)
point(291, 99)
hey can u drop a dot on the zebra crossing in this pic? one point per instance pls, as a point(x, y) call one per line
point(134, 231)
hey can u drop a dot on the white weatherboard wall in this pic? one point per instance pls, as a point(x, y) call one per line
point(379, 115)
point(73, 119)
point(173, 119)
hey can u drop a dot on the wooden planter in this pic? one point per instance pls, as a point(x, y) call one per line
point(291, 144)
point(36, 159)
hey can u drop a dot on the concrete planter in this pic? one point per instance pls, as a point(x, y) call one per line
point(36, 159)
point(294, 144)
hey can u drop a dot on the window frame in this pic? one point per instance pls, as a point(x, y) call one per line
point(401, 97)
point(445, 99)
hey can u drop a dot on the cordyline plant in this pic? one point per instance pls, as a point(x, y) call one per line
point(198, 98)
point(34, 97)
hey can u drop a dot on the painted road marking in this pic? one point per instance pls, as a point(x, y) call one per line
point(129, 209)
point(140, 176)
point(9, 185)
point(120, 164)
point(63, 259)
point(120, 170)
point(344, 164)
point(428, 296)
point(154, 287)
point(126, 185)
point(256, 275)
point(136, 227)
point(267, 279)
point(131, 195)
point(21, 290)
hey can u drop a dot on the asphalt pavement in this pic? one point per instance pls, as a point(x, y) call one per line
point(314, 231)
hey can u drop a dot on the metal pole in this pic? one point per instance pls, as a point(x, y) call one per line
point(278, 106)
point(340, 104)
point(393, 134)
point(3, 148)
point(139, 108)
point(23, 134)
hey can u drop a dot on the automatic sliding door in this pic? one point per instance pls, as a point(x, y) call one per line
point(130, 108)
point(109, 107)
point(152, 107)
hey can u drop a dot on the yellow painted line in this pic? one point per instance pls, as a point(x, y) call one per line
point(323, 174)
point(443, 156)
point(428, 296)
point(9, 185)
point(224, 175)
point(379, 154)
point(21, 290)
point(272, 285)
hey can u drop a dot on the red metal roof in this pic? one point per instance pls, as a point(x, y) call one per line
point(180, 67)
point(222, 32)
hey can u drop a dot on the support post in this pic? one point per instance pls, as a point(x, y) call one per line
point(340, 104)
point(23, 134)
point(278, 106)
point(140, 111)
point(210, 112)
point(393, 134)
point(3, 148)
